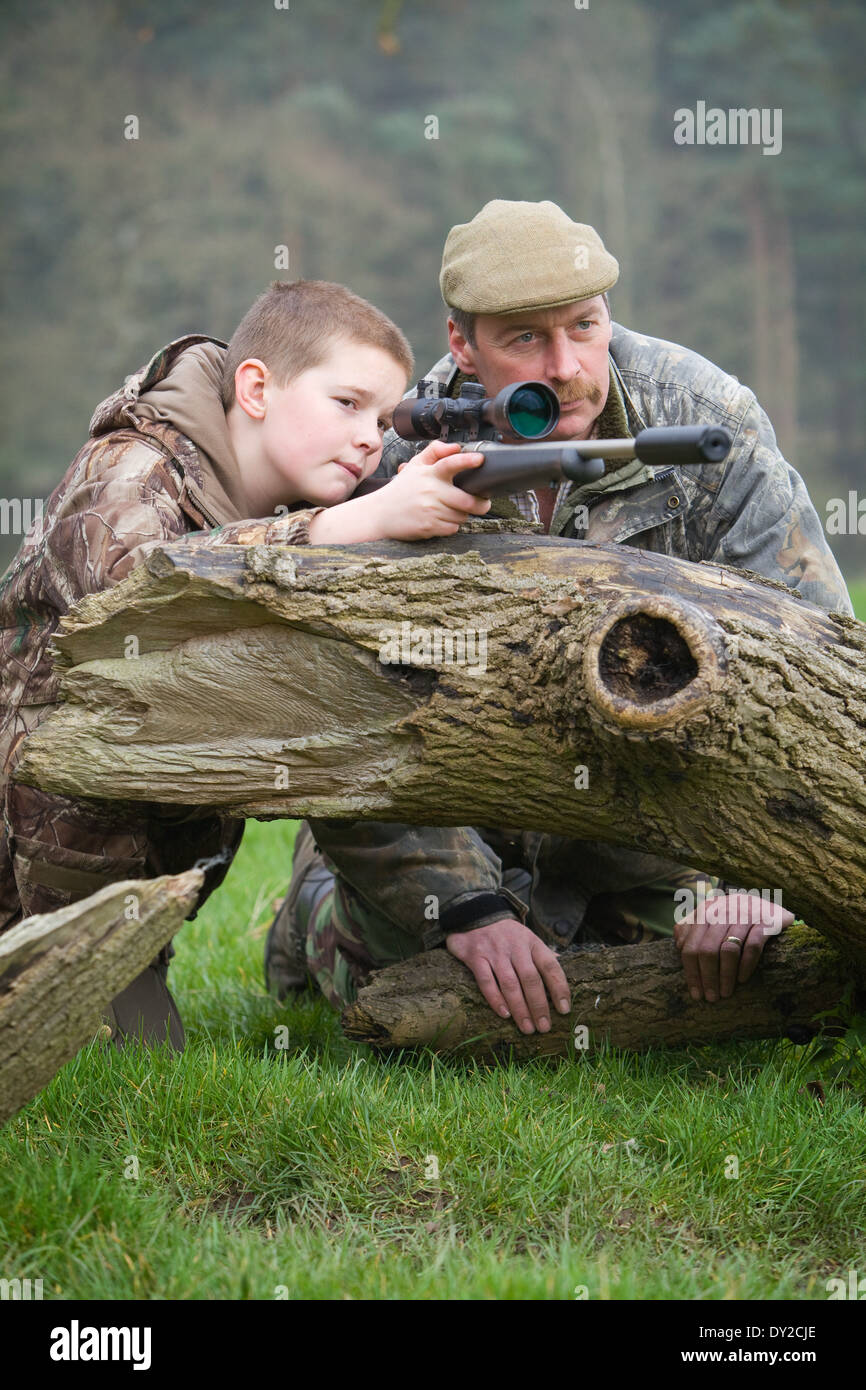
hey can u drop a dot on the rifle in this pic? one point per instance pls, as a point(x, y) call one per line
point(529, 411)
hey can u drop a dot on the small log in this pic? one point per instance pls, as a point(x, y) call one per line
point(633, 997)
point(60, 969)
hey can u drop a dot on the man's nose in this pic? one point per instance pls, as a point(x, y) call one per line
point(562, 362)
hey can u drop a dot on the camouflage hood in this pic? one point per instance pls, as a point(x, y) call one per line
point(180, 387)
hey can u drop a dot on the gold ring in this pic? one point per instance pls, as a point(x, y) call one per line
point(734, 938)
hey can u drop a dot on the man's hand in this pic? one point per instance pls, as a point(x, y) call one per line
point(708, 939)
point(511, 966)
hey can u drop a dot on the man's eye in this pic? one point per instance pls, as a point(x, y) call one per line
point(585, 323)
point(524, 337)
point(343, 400)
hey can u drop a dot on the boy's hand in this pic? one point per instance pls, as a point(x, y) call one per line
point(511, 966)
point(422, 501)
point(419, 502)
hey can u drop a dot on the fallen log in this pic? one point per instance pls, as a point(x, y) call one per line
point(684, 709)
point(632, 997)
point(59, 970)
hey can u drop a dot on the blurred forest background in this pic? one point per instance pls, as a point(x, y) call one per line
point(305, 125)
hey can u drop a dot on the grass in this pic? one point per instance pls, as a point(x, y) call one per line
point(857, 590)
point(306, 1171)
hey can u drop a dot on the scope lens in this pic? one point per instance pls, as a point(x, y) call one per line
point(530, 413)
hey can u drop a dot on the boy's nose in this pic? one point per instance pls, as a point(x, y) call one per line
point(367, 436)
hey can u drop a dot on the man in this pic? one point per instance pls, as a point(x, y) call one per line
point(527, 289)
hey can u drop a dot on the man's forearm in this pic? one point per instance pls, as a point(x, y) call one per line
point(427, 880)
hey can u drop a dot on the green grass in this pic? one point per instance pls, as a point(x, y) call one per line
point(304, 1169)
point(857, 590)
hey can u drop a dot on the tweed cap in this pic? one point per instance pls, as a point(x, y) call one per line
point(515, 256)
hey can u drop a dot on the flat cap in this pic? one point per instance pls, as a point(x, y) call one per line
point(515, 256)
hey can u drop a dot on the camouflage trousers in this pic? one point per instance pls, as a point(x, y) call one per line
point(347, 938)
point(55, 851)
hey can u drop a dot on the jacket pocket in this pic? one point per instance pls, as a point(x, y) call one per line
point(52, 876)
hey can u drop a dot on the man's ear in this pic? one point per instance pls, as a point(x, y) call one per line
point(461, 350)
point(250, 380)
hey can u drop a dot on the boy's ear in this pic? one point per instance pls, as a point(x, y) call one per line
point(251, 377)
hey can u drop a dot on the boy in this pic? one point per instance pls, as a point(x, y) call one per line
point(284, 423)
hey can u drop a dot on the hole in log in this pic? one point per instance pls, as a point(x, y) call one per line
point(652, 663)
point(644, 659)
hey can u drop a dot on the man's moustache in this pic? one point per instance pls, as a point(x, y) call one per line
point(580, 391)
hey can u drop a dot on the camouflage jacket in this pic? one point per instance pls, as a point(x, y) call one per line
point(753, 512)
point(137, 483)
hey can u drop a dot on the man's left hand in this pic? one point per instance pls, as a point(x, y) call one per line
point(721, 943)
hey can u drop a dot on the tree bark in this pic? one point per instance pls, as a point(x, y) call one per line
point(719, 719)
point(629, 996)
point(59, 970)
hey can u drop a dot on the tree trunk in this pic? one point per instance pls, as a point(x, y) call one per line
point(630, 996)
point(600, 692)
point(59, 970)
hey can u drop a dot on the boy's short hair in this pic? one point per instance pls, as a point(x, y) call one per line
point(292, 325)
point(465, 323)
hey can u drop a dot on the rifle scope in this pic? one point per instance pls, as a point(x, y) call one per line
point(524, 410)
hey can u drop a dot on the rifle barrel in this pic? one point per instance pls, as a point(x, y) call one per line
point(513, 468)
point(520, 467)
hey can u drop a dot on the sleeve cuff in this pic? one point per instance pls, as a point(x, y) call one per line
point(479, 910)
point(293, 528)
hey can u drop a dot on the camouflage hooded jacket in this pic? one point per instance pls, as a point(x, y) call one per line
point(158, 464)
point(753, 513)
